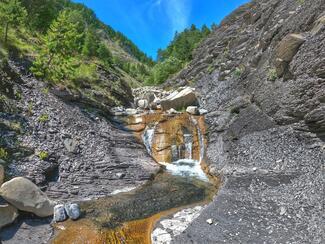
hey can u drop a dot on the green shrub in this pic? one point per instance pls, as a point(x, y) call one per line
point(3, 153)
point(272, 75)
point(238, 72)
point(43, 118)
point(43, 155)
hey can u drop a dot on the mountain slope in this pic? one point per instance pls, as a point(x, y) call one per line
point(261, 76)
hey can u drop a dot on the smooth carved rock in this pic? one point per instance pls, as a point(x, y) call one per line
point(286, 50)
point(26, 196)
point(8, 214)
point(179, 100)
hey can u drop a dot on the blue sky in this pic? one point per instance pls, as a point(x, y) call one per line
point(151, 24)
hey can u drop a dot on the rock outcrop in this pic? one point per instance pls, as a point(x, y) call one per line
point(26, 196)
point(266, 123)
point(179, 99)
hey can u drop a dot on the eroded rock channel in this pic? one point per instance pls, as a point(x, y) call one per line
point(177, 142)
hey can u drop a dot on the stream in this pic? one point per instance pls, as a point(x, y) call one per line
point(130, 217)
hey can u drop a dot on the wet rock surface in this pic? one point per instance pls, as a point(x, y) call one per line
point(265, 131)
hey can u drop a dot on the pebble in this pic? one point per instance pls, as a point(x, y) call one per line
point(72, 210)
point(59, 213)
point(210, 221)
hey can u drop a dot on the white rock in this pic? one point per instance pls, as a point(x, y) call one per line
point(210, 221)
point(192, 110)
point(72, 210)
point(143, 104)
point(59, 213)
point(131, 111)
point(203, 111)
point(172, 111)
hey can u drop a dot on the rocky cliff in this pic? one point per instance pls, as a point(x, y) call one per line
point(261, 75)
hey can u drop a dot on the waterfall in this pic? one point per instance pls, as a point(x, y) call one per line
point(186, 166)
point(147, 138)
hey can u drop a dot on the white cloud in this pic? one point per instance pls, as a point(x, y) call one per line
point(177, 12)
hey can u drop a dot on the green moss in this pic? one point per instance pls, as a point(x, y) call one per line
point(3, 153)
point(238, 72)
point(43, 155)
point(43, 118)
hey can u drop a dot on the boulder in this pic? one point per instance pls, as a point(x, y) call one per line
point(72, 210)
point(59, 213)
point(286, 50)
point(26, 196)
point(192, 110)
point(2, 174)
point(179, 100)
point(143, 104)
point(8, 214)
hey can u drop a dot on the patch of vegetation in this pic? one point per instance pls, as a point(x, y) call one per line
point(177, 54)
point(43, 118)
point(300, 2)
point(43, 155)
point(3, 154)
point(30, 108)
point(238, 72)
point(272, 75)
point(45, 90)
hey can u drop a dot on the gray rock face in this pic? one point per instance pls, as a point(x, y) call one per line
point(266, 136)
point(26, 196)
point(59, 213)
point(100, 148)
point(72, 210)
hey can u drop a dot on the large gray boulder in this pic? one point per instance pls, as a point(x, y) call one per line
point(26, 196)
point(179, 100)
point(8, 214)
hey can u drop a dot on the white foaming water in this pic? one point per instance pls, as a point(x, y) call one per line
point(187, 168)
point(188, 145)
point(147, 138)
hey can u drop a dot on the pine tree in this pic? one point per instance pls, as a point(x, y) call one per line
point(104, 54)
point(60, 44)
point(91, 44)
point(11, 13)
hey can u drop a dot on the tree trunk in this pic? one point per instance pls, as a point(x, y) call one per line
point(6, 32)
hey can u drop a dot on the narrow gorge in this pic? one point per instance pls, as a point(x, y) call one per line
point(219, 140)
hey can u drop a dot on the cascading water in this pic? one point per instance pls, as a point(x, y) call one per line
point(187, 167)
point(147, 138)
point(188, 139)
